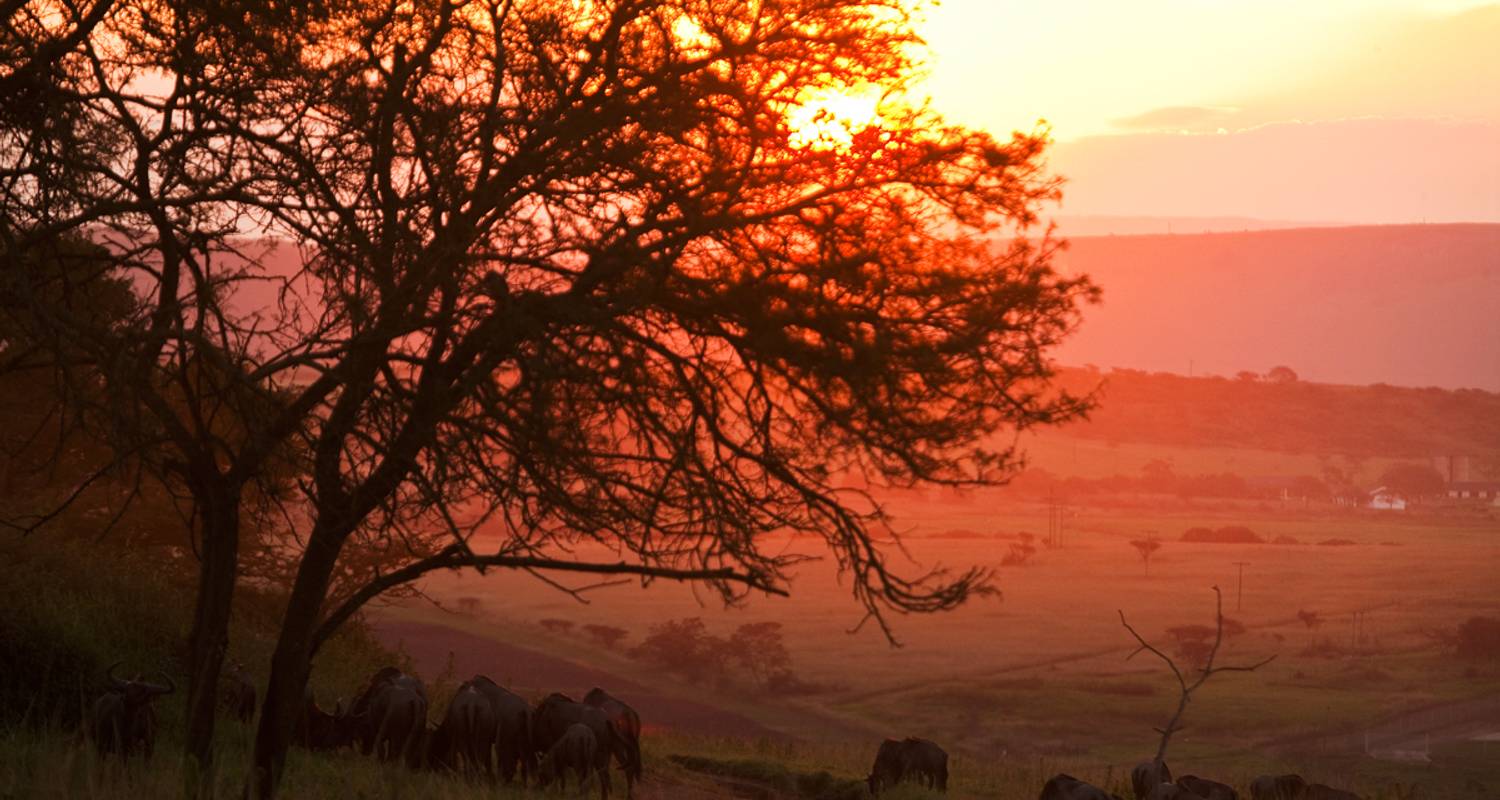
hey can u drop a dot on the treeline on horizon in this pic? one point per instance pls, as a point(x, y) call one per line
point(1279, 412)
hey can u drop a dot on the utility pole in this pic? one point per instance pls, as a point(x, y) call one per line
point(1239, 599)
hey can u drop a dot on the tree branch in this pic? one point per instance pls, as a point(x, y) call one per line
point(455, 557)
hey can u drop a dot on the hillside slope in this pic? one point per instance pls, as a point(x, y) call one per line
point(1293, 417)
point(1414, 305)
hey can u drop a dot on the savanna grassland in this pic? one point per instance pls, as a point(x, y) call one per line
point(1040, 678)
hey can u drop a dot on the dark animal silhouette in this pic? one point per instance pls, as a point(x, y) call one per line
point(1207, 789)
point(514, 750)
point(1318, 791)
point(122, 719)
point(239, 693)
point(466, 735)
point(1148, 775)
point(1172, 791)
point(1278, 787)
point(627, 725)
point(917, 760)
point(557, 712)
point(1067, 787)
point(577, 750)
point(390, 716)
point(319, 730)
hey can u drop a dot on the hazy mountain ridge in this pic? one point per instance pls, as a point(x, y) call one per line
point(1415, 305)
point(1295, 416)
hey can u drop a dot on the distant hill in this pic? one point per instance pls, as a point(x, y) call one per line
point(1123, 225)
point(1415, 305)
point(1293, 416)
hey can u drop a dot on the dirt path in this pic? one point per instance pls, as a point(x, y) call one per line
point(1410, 731)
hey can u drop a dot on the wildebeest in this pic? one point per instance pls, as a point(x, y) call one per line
point(1207, 789)
point(319, 730)
point(1172, 791)
point(917, 760)
point(239, 693)
point(1148, 775)
point(627, 725)
point(577, 750)
point(1278, 787)
point(1318, 791)
point(390, 716)
point(467, 732)
point(557, 712)
point(1067, 787)
point(122, 720)
point(513, 735)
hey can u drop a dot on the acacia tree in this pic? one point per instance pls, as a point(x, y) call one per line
point(112, 175)
point(572, 274)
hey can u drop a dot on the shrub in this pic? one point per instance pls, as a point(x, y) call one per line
point(607, 635)
point(1479, 639)
point(1229, 534)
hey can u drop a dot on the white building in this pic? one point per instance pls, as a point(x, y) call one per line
point(1386, 499)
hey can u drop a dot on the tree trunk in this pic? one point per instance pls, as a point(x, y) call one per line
point(220, 519)
point(292, 661)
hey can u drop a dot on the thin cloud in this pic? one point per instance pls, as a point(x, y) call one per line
point(1174, 118)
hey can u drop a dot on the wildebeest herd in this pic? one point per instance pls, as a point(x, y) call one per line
point(489, 730)
point(1152, 780)
point(486, 730)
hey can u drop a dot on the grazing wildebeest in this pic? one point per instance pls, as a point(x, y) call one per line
point(1278, 787)
point(918, 760)
point(627, 725)
point(467, 732)
point(319, 730)
point(577, 750)
point(513, 737)
point(391, 715)
point(122, 719)
point(239, 693)
point(1067, 787)
point(1207, 789)
point(1172, 791)
point(1148, 775)
point(1318, 791)
point(557, 712)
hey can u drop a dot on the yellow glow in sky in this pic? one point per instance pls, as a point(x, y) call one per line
point(1086, 65)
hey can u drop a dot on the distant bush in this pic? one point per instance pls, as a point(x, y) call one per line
point(1284, 539)
point(606, 635)
point(687, 648)
point(557, 625)
point(1479, 639)
point(1337, 542)
point(1020, 553)
point(1229, 534)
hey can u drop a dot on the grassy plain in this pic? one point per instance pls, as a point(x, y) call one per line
point(1039, 680)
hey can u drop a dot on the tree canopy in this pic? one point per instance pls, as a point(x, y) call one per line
point(566, 274)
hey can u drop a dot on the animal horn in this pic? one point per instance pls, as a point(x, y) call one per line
point(114, 682)
point(167, 689)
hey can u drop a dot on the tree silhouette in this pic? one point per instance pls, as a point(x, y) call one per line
point(568, 273)
point(1281, 374)
point(1413, 481)
point(607, 636)
point(1200, 654)
point(1146, 548)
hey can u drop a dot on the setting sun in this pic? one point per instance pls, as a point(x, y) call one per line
point(830, 120)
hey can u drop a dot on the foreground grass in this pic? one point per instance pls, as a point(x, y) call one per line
point(50, 764)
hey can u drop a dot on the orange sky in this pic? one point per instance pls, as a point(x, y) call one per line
point(1123, 83)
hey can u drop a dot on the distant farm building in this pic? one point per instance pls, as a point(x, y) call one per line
point(1386, 499)
point(1486, 493)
